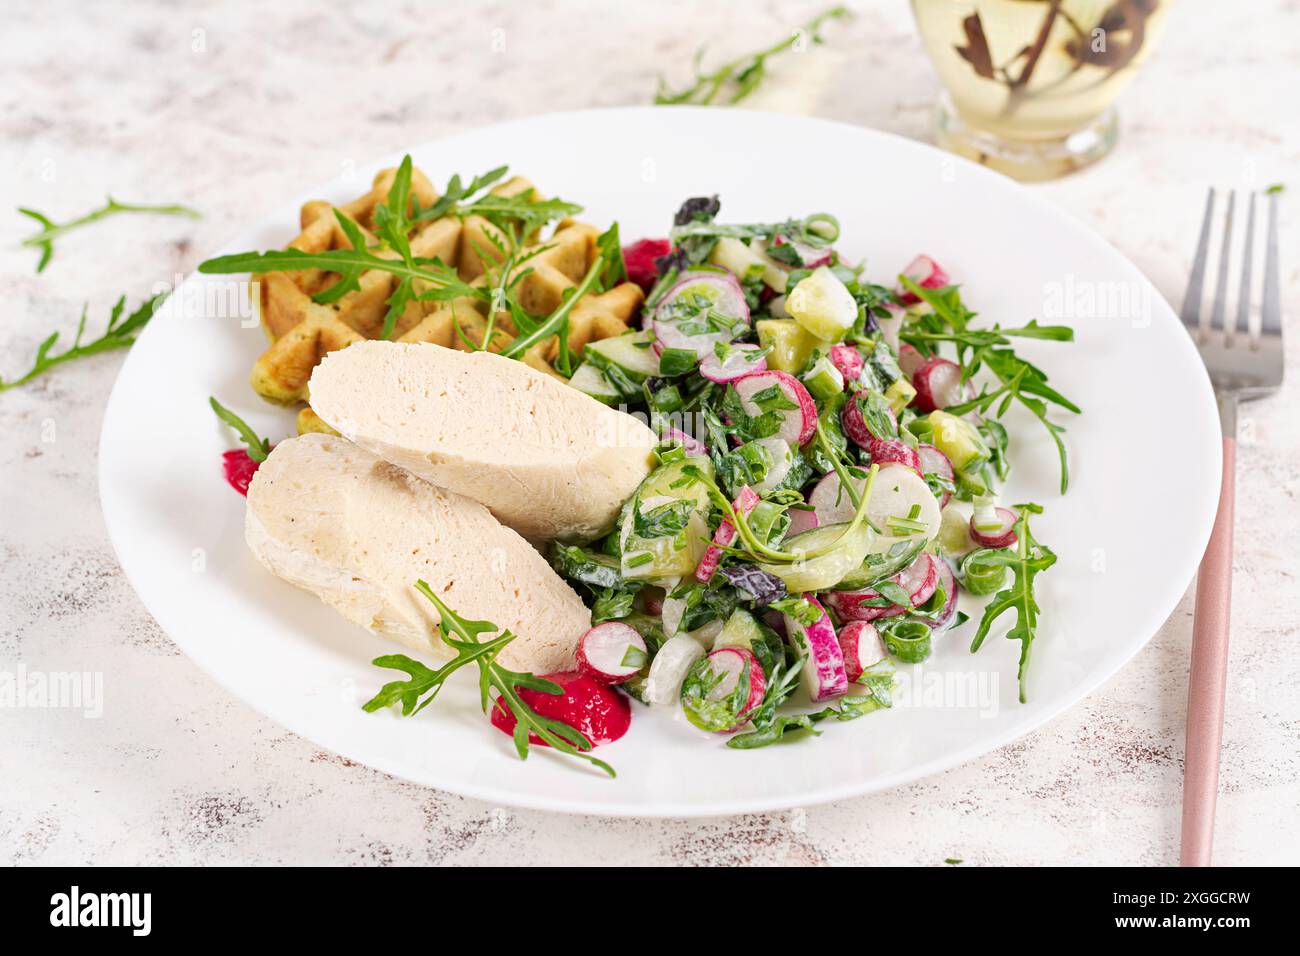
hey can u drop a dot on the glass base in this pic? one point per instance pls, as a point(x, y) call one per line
point(1026, 160)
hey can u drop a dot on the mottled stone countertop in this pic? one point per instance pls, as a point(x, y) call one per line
point(233, 107)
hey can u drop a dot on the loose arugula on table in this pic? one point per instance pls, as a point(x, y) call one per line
point(120, 333)
point(737, 79)
point(461, 635)
point(51, 230)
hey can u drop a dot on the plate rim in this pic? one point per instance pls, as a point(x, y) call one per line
point(1155, 618)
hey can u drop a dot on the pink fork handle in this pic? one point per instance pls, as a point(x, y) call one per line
point(1209, 676)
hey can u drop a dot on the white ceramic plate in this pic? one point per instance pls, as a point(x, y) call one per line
point(1144, 456)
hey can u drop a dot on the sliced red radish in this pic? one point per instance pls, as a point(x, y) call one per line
point(802, 520)
point(639, 259)
point(864, 605)
point(810, 257)
point(711, 686)
point(740, 360)
point(994, 527)
point(935, 462)
point(861, 646)
point(611, 652)
point(669, 335)
point(799, 422)
point(599, 713)
point(918, 579)
point(887, 450)
point(719, 291)
point(909, 359)
point(831, 503)
point(855, 423)
point(746, 501)
point(926, 273)
point(947, 581)
point(938, 384)
point(690, 444)
point(823, 675)
point(669, 668)
point(848, 360)
point(900, 497)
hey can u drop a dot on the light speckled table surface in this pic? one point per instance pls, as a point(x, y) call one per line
point(233, 107)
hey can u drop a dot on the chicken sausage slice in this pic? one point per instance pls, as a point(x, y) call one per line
point(358, 532)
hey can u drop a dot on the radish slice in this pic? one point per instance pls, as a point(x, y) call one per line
point(918, 579)
point(996, 530)
point(909, 359)
point(831, 503)
point(848, 360)
point(799, 422)
point(690, 444)
point(823, 675)
point(926, 273)
point(938, 384)
point(898, 492)
point(713, 696)
point(611, 652)
point(864, 605)
point(948, 581)
point(741, 360)
point(698, 289)
point(670, 336)
point(891, 326)
point(855, 423)
point(674, 660)
point(810, 257)
point(745, 502)
point(894, 450)
point(802, 520)
point(861, 646)
point(935, 462)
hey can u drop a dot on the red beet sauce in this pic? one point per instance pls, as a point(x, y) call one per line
point(239, 469)
point(639, 258)
point(600, 712)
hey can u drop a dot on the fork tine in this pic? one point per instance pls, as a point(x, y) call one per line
point(1242, 324)
point(1271, 322)
point(1221, 285)
point(1191, 311)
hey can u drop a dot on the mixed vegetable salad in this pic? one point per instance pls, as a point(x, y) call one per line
point(826, 486)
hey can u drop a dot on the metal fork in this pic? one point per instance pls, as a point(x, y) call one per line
point(1242, 367)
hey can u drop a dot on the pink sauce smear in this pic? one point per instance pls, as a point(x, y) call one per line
point(600, 712)
point(239, 469)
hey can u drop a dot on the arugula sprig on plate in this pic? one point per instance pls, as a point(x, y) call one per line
point(1018, 380)
point(1026, 558)
point(119, 334)
point(462, 636)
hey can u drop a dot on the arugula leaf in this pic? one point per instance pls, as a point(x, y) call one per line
point(737, 79)
point(258, 448)
point(51, 230)
point(462, 636)
point(1026, 559)
point(119, 334)
point(879, 681)
point(1018, 380)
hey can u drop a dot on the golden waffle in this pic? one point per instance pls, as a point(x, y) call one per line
point(302, 331)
